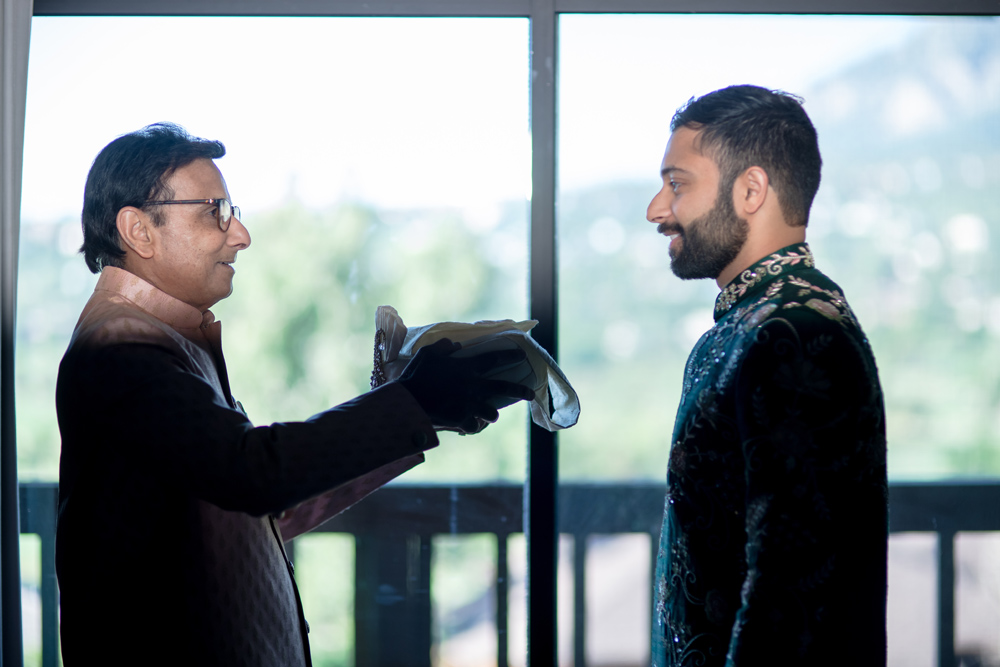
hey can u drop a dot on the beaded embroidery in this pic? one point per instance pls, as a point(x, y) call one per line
point(378, 375)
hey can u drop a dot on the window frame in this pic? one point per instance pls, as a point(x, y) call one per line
point(541, 483)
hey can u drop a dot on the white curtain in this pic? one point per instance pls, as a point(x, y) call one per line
point(15, 32)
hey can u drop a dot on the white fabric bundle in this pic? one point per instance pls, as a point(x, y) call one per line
point(556, 405)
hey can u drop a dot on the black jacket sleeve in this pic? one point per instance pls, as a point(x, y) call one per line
point(138, 410)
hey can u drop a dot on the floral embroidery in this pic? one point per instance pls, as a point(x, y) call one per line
point(772, 265)
point(824, 307)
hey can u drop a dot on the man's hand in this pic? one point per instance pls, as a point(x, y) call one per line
point(454, 393)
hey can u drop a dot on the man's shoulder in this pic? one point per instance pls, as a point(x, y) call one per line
point(805, 299)
point(805, 316)
point(106, 327)
point(806, 308)
point(109, 319)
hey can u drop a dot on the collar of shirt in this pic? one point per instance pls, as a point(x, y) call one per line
point(154, 301)
point(761, 273)
point(201, 329)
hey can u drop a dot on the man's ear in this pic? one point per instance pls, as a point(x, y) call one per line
point(134, 228)
point(750, 191)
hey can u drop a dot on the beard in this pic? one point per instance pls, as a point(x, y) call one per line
point(710, 243)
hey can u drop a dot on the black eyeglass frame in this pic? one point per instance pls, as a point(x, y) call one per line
point(220, 203)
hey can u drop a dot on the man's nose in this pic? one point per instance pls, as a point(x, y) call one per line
point(238, 235)
point(659, 208)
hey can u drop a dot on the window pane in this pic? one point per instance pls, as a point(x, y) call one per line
point(977, 598)
point(908, 115)
point(31, 598)
point(324, 571)
point(464, 598)
point(912, 602)
point(618, 599)
point(376, 161)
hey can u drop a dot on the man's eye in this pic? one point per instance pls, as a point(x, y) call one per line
point(674, 185)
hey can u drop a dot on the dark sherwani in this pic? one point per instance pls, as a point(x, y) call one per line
point(775, 526)
point(167, 552)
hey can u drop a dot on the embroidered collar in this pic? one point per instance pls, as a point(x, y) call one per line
point(769, 267)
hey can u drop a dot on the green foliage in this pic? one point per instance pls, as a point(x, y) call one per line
point(299, 327)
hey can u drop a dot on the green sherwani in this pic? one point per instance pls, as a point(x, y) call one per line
point(775, 526)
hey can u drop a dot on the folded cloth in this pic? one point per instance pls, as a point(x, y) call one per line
point(556, 405)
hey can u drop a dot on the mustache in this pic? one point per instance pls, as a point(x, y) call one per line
point(671, 228)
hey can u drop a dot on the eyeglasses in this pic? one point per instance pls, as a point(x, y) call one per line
point(224, 209)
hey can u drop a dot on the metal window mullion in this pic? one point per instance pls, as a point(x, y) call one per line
point(270, 8)
point(500, 7)
point(542, 476)
point(15, 31)
point(862, 7)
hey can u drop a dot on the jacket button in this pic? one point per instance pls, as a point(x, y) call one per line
point(419, 439)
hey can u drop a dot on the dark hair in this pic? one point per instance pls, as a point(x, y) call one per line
point(747, 126)
point(129, 171)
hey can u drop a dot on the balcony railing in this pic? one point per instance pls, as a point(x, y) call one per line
point(394, 527)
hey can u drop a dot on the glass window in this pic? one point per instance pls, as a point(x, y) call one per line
point(913, 622)
point(375, 160)
point(908, 116)
point(977, 598)
point(387, 161)
point(909, 124)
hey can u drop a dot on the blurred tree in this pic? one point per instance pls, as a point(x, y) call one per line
point(299, 327)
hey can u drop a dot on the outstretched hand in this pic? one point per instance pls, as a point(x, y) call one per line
point(454, 393)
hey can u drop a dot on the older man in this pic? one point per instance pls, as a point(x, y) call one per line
point(773, 548)
point(173, 507)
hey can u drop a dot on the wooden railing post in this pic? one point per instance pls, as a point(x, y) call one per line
point(38, 502)
point(392, 602)
point(946, 597)
point(580, 600)
point(503, 599)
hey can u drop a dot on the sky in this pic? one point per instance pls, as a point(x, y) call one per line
point(398, 112)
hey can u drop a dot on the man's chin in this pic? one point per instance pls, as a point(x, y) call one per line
point(224, 292)
point(688, 276)
point(687, 271)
